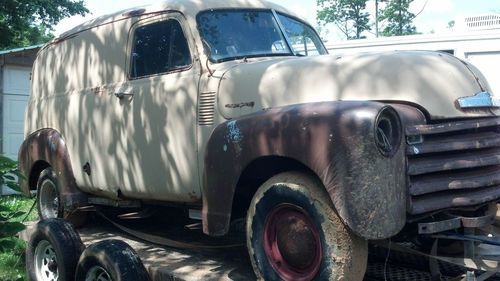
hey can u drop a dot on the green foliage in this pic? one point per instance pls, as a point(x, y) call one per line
point(12, 257)
point(9, 173)
point(29, 22)
point(398, 18)
point(10, 223)
point(20, 203)
point(12, 264)
point(349, 16)
point(13, 210)
point(8, 226)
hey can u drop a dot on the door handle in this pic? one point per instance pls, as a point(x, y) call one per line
point(121, 95)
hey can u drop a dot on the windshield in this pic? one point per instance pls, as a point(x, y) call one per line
point(233, 34)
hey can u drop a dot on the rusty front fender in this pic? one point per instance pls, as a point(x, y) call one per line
point(333, 139)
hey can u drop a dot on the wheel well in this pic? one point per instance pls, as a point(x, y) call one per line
point(34, 174)
point(255, 174)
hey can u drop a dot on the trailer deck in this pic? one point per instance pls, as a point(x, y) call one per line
point(232, 263)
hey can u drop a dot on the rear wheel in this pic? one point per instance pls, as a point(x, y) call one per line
point(50, 204)
point(48, 199)
point(293, 233)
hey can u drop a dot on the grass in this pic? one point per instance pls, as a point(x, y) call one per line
point(20, 203)
point(12, 265)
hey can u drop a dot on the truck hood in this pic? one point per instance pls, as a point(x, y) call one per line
point(433, 81)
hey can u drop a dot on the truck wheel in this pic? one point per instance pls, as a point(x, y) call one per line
point(293, 233)
point(110, 260)
point(53, 251)
point(49, 202)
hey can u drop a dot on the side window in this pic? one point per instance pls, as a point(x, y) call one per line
point(303, 38)
point(159, 48)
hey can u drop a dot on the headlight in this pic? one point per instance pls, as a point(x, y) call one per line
point(388, 131)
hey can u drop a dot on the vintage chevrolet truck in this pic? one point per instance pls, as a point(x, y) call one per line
point(234, 110)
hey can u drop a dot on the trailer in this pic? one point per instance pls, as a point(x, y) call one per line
point(184, 253)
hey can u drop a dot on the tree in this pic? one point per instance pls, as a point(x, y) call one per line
point(399, 19)
point(29, 22)
point(348, 15)
point(451, 25)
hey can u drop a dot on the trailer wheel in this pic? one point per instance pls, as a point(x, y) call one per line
point(49, 201)
point(110, 260)
point(53, 251)
point(293, 233)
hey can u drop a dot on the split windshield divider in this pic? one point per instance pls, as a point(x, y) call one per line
point(283, 31)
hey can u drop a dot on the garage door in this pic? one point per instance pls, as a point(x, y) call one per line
point(16, 92)
point(488, 63)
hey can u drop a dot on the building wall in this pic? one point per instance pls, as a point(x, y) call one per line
point(16, 89)
point(15, 73)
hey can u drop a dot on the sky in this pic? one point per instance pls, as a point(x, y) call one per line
point(434, 17)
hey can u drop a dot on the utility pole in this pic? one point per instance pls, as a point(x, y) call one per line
point(377, 16)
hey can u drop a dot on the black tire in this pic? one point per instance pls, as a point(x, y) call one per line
point(53, 250)
point(112, 260)
point(50, 203)
point(294, 233)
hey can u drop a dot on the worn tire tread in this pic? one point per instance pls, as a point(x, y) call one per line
point(350, 260)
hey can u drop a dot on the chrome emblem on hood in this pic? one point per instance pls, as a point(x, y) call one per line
point(482, 99)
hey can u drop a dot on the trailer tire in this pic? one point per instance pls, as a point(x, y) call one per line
point(53, 251)
point(50, 203)
point(110, 260)
point(294, 233)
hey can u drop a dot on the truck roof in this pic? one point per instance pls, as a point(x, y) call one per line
point(190, 8)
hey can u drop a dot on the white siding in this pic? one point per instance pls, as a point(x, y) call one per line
point(488, 63)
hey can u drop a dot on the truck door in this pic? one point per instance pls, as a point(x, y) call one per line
point(152, 152)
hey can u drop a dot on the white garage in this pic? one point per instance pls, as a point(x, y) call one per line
point(15, 72)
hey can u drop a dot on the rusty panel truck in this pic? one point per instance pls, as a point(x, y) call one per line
point(233, 111)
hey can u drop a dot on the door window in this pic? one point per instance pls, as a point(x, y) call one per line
point(159, 47)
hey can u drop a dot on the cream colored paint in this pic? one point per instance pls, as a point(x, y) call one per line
point(431, 80)
point(147, 147)
point(144, 146)
point(153, 140)
point(151, 147)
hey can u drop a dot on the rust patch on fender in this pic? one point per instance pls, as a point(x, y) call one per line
point(47, 145)
point(333, 139)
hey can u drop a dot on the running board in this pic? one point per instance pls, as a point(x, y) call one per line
point(115, 203)
point(160, 240)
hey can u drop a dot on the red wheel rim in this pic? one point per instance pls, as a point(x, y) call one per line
point(292, 243)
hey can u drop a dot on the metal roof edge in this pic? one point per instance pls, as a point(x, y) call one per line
point(15, 50)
